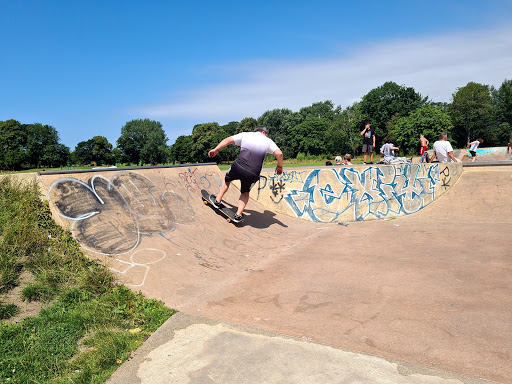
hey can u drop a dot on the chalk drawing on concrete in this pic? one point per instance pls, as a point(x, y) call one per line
point(141, 258)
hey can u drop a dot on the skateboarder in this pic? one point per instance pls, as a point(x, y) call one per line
point(472, 148)
point(247, 167)
point(368, 141)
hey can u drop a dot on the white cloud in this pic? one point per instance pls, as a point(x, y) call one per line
point(434, 66)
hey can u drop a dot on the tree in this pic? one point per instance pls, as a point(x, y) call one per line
point(181, 151)
point(205, 137)
point(247, 124)
point(471, 112)
point(322, 109)
point(387, 102)
point(279, 123)
point(343, 135)
point(13, 143)
point(309, 136)
point(97, 150)
point(501, 100)
point(154, 150)
point(43, 147)
point(427, 120)
point(136, 135)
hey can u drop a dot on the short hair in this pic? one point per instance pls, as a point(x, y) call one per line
point(443, 135)
point(261, 128)
point(347, 156)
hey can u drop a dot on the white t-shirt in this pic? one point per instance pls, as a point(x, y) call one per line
point(253, 148)
point(441, 148)
point(474, 145)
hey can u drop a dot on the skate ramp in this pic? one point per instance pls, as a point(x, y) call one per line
point(483, 154)
point(354, 193)
point(431, 288)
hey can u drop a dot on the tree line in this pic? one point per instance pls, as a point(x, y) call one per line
point(395, 111)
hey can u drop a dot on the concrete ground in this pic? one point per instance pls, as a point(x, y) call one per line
point(423, 298)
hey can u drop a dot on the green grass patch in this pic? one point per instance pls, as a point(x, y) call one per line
point(83, 333)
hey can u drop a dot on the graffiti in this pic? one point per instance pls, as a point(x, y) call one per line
point(291, 176)
point(445, 178)
point(374, 192)
point(109, 216)
point(277, 188)
point(193, 183)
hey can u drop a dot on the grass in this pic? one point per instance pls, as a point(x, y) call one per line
point(89, 324)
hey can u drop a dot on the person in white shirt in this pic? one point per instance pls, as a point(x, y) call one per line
point(443, 150)
point(247, 167)
point(473, 146)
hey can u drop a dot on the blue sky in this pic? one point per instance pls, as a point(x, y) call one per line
point(88, 67)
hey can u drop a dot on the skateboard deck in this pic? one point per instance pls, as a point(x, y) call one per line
point(228, 213)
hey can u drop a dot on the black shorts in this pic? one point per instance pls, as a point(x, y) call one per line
point(473, 153)
point(247, 179)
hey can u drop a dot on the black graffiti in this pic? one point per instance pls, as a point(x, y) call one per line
point(277, 188)
point(262, 180)
point(446, 177)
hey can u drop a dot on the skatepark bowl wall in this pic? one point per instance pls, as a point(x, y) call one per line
point(354, 193)
point(483, 154)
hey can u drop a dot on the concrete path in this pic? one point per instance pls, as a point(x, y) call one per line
point(190, 349)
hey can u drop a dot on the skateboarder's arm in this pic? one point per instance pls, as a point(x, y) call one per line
point(224, 143)
point(279, 156)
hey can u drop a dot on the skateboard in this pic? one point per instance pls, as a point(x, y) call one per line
point(228, 213)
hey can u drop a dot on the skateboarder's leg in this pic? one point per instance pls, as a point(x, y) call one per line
point(223, 189)
point(242, 202)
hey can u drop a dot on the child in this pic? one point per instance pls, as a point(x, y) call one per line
point(473, 146)
point(347, 159)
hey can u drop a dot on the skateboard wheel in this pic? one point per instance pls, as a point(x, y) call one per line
point(205, 202)
point(228, 220)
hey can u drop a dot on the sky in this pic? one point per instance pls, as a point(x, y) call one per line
point(88, 67)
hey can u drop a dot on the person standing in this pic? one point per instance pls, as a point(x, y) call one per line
point(472, 148)
point(424, 146)
point(443, 150)
point(247, 167)
point(368, 141)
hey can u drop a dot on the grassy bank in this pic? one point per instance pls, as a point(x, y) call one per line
point(88, 324)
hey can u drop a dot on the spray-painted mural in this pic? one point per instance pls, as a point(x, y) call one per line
point(355, 193)
point(111, 215)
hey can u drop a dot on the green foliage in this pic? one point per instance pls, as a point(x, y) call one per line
point(471, 112)
point(384, 103)
point(309, 136)
point(88, 311)
point(179, 152)
point(428, 121)
point(43, 147)
point(13, 143)
point(204, 138)
point(97, 150)
point(143, 140)
point(8, 310)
